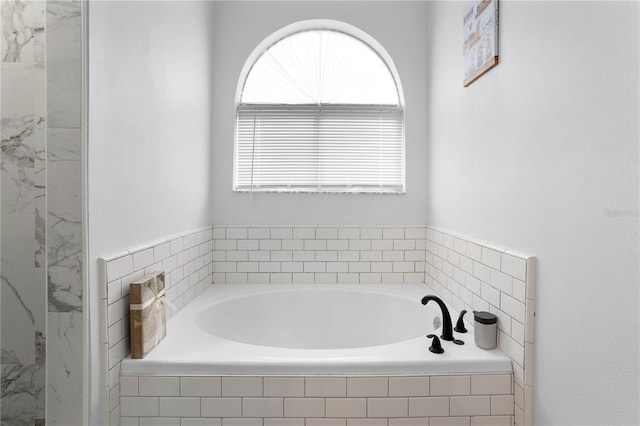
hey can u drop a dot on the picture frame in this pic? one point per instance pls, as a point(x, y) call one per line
point(480, 38)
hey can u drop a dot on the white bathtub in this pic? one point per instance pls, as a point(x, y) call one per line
point(311, 329)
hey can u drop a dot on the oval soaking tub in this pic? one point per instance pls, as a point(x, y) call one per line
point(311, 329)
point(310, 318)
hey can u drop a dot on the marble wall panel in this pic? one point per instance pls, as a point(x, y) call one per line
point(40, 202)
point(17, 393)
point(64, 238)
point(64, 64)
point(18, 353)
point(64, 241)
point(23, 32)
point(40, 167)
point(22, 203)
point(18, 275)
point(21, 291)
point(64, 369)
point(64, 25)
point(64, 169)
point(63, 145)
point(40, 326)
point(18, 138)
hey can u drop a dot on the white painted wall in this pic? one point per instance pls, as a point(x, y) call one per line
point(149, 123)
point(541, 155)
point(149, 142)
point(239, 27)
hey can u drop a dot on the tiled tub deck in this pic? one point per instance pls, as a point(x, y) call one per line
point(469, 399)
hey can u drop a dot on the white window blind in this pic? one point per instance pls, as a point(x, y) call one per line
point(327, 148)
point(319, 112)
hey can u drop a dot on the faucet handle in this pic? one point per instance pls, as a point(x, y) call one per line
point(460, 328)
point(435, 347)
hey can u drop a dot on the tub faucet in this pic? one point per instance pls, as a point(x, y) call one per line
point(447, 331)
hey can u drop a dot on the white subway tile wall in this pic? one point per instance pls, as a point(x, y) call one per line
point(318, 254)
point(186, 260)
point(466, 274)
point(474, 276)
point(474, 399)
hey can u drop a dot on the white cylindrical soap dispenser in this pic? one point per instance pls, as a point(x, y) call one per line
point(485, 328)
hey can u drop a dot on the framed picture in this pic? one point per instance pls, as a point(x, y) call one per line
point(480, 38)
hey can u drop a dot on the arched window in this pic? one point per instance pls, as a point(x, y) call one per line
point(319, 109)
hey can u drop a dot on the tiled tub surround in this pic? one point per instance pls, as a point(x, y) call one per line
point(267, 249)
point(476, 276)
point(186, 260)
point(318, 254)
point(469, 400)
